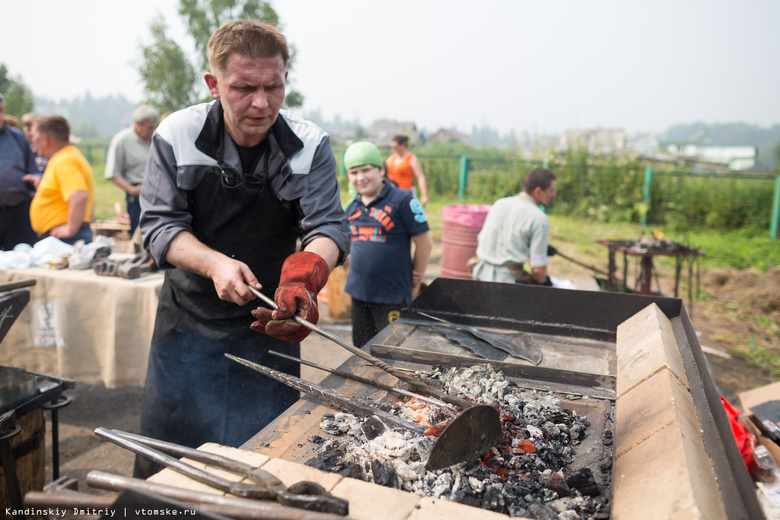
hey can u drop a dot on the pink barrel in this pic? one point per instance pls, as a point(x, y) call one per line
point(462, 223)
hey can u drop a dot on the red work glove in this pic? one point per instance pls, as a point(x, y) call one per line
point(303, 276)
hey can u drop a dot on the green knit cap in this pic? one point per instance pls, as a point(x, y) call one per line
point(361, 153)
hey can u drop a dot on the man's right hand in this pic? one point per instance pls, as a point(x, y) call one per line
point(230, 278)
point(30, 178)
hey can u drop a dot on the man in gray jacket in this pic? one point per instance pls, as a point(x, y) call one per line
point(230, 187)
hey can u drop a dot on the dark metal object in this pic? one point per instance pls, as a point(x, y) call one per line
point(474, 423)
point(233, 507)
point(488, 414)
point(11, 305)
point(54, 407)
point(524, 348)
point(527, 308)
point(364, 380)
point(647, 249)
point(477, 428)
point(581, 263)
point(8, 430)
point(594, 386)
point(479, 347)
point(33, 392)
point(338, 400)
point(596, 316)
point(136, 503)
point(304, 495)
point(17, 284)
point(416, 383)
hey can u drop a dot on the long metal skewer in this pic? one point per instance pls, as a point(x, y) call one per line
point(347, 375)
point(416, 383)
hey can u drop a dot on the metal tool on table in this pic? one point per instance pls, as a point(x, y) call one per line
point(470, 434)
point(303, 495)
point(526, 349)
point(233, 507)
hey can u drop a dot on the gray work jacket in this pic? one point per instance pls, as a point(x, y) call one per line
point(185, 147)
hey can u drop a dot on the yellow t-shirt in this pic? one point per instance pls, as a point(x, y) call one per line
point(67, 172)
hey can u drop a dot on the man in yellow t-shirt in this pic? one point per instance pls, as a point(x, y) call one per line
point(62, 206)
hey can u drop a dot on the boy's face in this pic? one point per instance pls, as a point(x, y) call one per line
point(366, 179)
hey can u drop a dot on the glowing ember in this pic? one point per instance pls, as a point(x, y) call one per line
point(530, 472)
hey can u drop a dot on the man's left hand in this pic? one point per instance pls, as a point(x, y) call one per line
point(304, 274)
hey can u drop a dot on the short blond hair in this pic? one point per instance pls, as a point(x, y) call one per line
point(56, 127)
point(248, 38)
point(29, 118)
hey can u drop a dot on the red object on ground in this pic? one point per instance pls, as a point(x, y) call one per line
point(745, 440)
point(462, 224)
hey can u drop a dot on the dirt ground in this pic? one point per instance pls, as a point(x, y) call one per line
point(737, 319)
point(741, 316)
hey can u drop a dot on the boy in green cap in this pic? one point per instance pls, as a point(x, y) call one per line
point(383, 276)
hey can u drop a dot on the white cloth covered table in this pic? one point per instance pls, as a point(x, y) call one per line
point(82, 326)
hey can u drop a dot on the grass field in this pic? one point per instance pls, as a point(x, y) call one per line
point(106, 193)
point(575, 236)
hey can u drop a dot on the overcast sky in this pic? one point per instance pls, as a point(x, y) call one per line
point(537, 66)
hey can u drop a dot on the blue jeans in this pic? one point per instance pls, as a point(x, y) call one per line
point(83, 234)
point(134, 211)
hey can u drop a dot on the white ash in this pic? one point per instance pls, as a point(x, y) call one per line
point(527, 474)
point(340, 424)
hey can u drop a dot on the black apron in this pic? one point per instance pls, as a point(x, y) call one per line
point(193, 393)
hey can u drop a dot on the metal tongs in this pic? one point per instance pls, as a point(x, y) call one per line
point(303, 495)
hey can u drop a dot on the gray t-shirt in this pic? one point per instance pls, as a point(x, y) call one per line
point(127, 157)
point(515, 231)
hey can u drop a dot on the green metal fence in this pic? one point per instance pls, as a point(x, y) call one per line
point(614, 189)
point(619, 190)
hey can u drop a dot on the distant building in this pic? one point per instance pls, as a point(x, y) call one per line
point(383, 131)
point(444, 135)
point(596, 140)
point(735, 157)
point(642, 144)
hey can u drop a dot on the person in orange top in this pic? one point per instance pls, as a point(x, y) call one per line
point(403, 167)
point(62, 206)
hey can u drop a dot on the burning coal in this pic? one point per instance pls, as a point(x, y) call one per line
point(530, 472)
